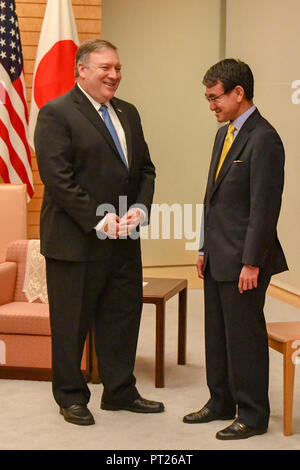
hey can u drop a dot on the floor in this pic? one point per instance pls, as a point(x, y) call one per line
point(30, 418)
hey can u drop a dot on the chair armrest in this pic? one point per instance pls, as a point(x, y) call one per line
point(8, 273)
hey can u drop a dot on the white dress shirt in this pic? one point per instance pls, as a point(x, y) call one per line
point(113, 117)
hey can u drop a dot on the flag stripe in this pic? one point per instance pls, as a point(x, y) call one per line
point(4, 170)
point(14, 140)
point(15, 160)
point(19, 86)
point(18, 125)
point(8, 170)
point(6, 85)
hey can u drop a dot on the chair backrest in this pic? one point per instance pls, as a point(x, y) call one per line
point(13, 215)
point(17, 252)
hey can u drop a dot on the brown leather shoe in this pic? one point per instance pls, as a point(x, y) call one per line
point(205, 415)
point(238, 430)
point(77, 414)
point(140, 405)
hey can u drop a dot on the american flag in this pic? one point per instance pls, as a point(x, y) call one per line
point(15, 160)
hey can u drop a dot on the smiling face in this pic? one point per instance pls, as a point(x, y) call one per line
point(101, 74)
point(226, 106)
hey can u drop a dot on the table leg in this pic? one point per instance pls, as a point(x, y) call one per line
point(160, 345)
point(182, 311)
point(288, 388)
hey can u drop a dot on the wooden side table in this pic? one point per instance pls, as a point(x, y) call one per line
point(284, 337)
point(158, 291)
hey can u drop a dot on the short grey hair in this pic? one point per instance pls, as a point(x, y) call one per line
point(85, 49)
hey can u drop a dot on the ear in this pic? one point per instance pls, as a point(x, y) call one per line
point(240, 93)
point(81, 69)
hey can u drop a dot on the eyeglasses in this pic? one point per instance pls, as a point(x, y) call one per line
point(213, 99)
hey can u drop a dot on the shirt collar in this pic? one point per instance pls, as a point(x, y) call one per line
point(240, 120)
point(94, 102)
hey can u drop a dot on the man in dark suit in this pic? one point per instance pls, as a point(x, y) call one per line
point(99, 184)
point(240, 253)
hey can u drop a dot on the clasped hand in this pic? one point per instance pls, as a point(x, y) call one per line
point(116, 227)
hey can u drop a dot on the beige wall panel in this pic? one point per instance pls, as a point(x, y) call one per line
point(166, 47)
point(268, 39)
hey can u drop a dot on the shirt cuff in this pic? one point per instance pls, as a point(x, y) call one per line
point(100, 225)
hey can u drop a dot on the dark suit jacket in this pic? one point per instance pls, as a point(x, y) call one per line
point(243, 205)
point(81, 169)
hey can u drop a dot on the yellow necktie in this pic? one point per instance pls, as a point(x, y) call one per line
point(227, 144)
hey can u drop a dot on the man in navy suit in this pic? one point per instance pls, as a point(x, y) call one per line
point(240, 253)
point(91, 151)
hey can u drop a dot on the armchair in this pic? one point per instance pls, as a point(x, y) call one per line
point(25, 336)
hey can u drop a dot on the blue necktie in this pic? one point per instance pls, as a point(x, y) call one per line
point(112, 131)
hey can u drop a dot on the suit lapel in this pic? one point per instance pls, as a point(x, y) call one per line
point(85, 107)
point(238, 144)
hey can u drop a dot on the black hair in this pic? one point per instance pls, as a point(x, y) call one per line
point(231, 73)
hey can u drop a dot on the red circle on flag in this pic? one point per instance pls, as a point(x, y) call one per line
point(55, 73)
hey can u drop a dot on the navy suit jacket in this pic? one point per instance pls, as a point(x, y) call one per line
point(80, 167)
point(242, 206)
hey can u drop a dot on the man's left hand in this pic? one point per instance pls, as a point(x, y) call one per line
point(130, 221)
point(248, 278)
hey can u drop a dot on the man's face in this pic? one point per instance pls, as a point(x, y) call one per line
point(226, 106)
point(101, 76)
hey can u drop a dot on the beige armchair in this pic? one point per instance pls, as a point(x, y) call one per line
point(13, 215)
point(25, 337)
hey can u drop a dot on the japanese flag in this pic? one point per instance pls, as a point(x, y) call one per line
point(55, 58)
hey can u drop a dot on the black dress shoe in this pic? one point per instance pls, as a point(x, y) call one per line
point(205, 415)
point(140, 405)
point(238, 430)
point(77, 414)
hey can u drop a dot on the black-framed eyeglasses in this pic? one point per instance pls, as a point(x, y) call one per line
point(213, 99)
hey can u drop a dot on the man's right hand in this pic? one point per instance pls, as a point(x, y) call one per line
point(200, 263)
point(111, 226)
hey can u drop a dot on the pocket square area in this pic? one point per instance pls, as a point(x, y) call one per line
point(237, 161)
